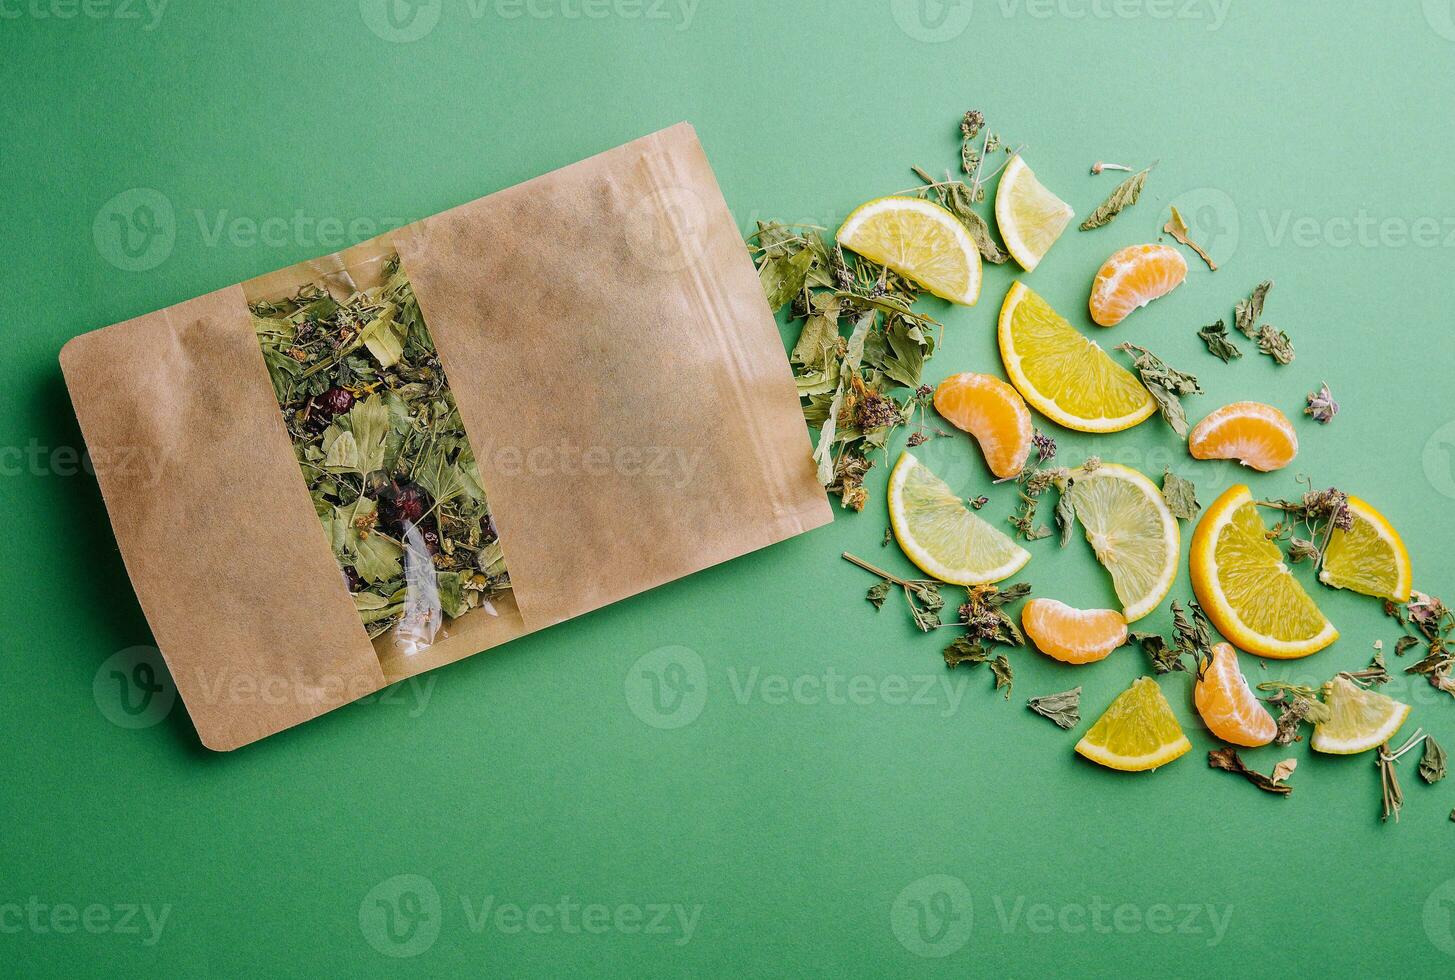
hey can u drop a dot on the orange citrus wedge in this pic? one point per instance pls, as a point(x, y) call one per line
point(994, 413)
point(1070, 635)
point(1254, 434)
point(1132, 278)
point(1247, 589)
point(1228, 705)
point(1369, 558)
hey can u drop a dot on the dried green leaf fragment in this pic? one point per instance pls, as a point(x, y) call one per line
point(1123, 197)
point(1215, 336)
point(1064, 709)
point(1181, 496)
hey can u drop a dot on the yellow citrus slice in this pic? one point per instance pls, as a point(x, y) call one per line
point(920, 241)
point(1368, 558)
point(1256, 435)
point(1030, 217)
point(1358, 719)
point(943, 536)
point(1132, 530)
point(1247, 589)
point(1228, 705)
point(994, 413)
point(1073, 636)
point(1138, 732)
point(1065, 376)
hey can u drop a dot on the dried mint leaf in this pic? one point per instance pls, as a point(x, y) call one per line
point(1123, 197)
point(1215, 335)
point(1275, 343)
point(1167, 385)
point(1004, 676)
point(878, 592)
point(1181, 496)
point(1064, 709)
point(1246, 312)
point(1433, 764)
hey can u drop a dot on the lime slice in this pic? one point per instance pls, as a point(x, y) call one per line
point(1133, 533)
point(1358, 719)
point(1030, 217)
point(1248, 591)
point(1138, 732)
point(920, 241)
point(1063, 375)
point(1369, 558)
point(943, 536)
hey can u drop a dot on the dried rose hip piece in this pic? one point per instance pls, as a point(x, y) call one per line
point(335, 401)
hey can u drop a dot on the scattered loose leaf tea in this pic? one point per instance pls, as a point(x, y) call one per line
point(1167, 385)
point(384, 453)
point(1181, 496)
point(1321, 405)
point(1433, 765)
point(1227, 759)
point(1215, 335)
point(1177, 228)
point(1247, 312)
point(1275, 343)
point(1123, 197)
point(1064, 709)
point(922, 595)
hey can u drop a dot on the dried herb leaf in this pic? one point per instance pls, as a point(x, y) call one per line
point(1227, 759)
point(1123, 197)
point(1275, 343)
point(964, 650)
point(878, 593)
point(1064, 709)
point(1247, 312)
point(1321, 405)
point(1181, 496)
point(1164, 656)
point(1166, 384)
point(1177, 228)
point(1433, 764)
point(922, 595)
point(1004, 676)
point(1215, 335)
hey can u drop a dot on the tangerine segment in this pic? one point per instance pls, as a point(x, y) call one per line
point(1254, 434)
point(1249, 593)
point(994, 413)
point(1132, 278)
point(1228, 705)
point(1070, 635)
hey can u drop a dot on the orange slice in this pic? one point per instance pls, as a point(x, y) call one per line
point(1228, 705)
point(1132, 278)
point(994, 413)
point(1254, 434)
point(1137, 733)
point(1070, 635)
point(1241, 579)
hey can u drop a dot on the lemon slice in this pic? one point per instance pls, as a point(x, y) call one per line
point(1030, 217)
point(941, 535)
point(1065, 376)
point(1358, 719)
point(1138, 732)
point(1368, 558)
point(920, 241)
point(1133, 533)
point(1248, 591)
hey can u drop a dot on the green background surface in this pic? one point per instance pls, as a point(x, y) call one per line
point(797, 830)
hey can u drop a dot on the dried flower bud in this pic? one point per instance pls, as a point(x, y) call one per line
point(1321, 405)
